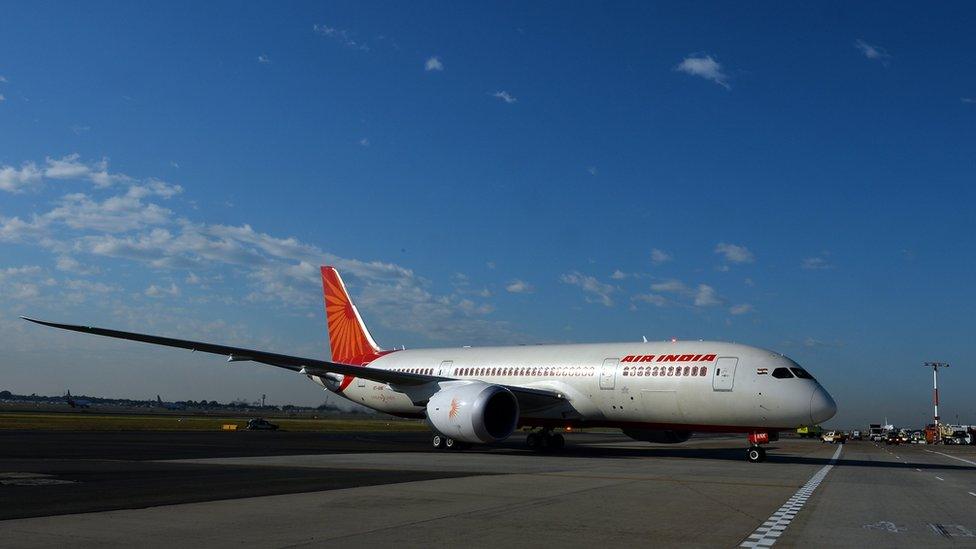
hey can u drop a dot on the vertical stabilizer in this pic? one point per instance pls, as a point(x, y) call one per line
point(349, 338)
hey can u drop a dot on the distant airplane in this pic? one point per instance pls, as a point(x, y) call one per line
point(170, 405)
point(76, 402)
point(652, 391)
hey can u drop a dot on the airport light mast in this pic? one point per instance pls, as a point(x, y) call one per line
point(935, 393)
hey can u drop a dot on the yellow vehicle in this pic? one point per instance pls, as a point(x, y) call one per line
point(809, 431)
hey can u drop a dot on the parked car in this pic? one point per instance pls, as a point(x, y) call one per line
point(855, 435)
point(834, 437)
point(261, 424)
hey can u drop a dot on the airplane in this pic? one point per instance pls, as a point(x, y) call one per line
point(76, 402)
point(653, 391)
point(169, 405)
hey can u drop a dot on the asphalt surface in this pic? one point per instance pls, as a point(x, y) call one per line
point(355, 489)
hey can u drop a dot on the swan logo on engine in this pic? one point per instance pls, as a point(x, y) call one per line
point(454, 408)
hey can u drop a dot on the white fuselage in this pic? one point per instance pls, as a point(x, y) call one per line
point(695, 385)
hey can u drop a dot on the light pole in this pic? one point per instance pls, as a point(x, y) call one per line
point(935, 393)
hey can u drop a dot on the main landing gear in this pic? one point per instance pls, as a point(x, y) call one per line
point(545, 440)
point(755, 453)
point(441, 442)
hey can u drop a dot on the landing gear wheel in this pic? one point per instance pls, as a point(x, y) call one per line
point(437, 441)
point(451, 444)
point(557, 442)
point(533, 441)
point(756, 454)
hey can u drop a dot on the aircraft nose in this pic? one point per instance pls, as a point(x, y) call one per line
point(822, 406)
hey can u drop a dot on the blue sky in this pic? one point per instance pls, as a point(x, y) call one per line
point(798, 177)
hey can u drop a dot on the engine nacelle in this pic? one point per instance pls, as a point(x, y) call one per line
point(475, 412)
point(660, 437)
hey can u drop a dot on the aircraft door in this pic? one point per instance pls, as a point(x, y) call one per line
point(724, 373)
point(609, 373)
point(445, 368)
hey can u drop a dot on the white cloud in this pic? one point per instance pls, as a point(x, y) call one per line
point(264, 59)
point(734, 253)
point(653, 299)
point(740, 309)
point(127, 225)
point(78, 129)
point(705, 67)
point(162, 291)
point(701, 296)
point(15, 180)
point(21, 283)
point(69, 264)
point(706, 296)
point(815, 264)
point(968, 99)
point(518, 287)
point(670, 286)
point(2, 98)
point(505, 96)
point(592, 170)
point(364, 142)
point(874, 53)
point(660, 256)
point(433, 64)
point(3, 79)
point(596, 291)
point(619, 275)
point(344, 37)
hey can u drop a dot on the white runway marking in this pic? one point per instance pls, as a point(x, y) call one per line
point(940, 478)
point(919, 470)
point(972, 493)
point(767, 534)
point(953, 457)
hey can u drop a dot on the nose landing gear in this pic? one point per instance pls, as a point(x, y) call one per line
point(756, 453)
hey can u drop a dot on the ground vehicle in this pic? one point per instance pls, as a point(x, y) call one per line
point(855, 435)
point(261, 424)
point(876, 432)
point(809, 431)
point(917, 437)
point(834, 437)
point(958, 436)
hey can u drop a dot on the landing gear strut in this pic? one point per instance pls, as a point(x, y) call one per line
point(545, 440)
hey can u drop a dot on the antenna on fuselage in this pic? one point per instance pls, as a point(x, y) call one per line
point(644, 338)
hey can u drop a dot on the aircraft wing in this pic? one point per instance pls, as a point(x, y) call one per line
point(528, 398)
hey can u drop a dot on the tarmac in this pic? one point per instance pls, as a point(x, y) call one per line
point(275, 489)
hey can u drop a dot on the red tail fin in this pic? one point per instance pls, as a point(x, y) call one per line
point(348, 337)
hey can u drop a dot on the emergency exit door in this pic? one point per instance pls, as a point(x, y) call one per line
point(609, 373)
point(724, 373)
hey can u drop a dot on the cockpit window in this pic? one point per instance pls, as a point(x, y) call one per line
point(801, 373)
point(782, 373)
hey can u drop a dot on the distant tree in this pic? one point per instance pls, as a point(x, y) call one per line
point(5, 394)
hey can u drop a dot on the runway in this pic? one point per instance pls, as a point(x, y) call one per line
point(383, 489)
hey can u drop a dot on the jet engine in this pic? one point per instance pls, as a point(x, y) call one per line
point(660, 437)
point(474, 412)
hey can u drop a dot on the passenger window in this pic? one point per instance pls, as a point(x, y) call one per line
point(782, 373)
point(801, 373)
